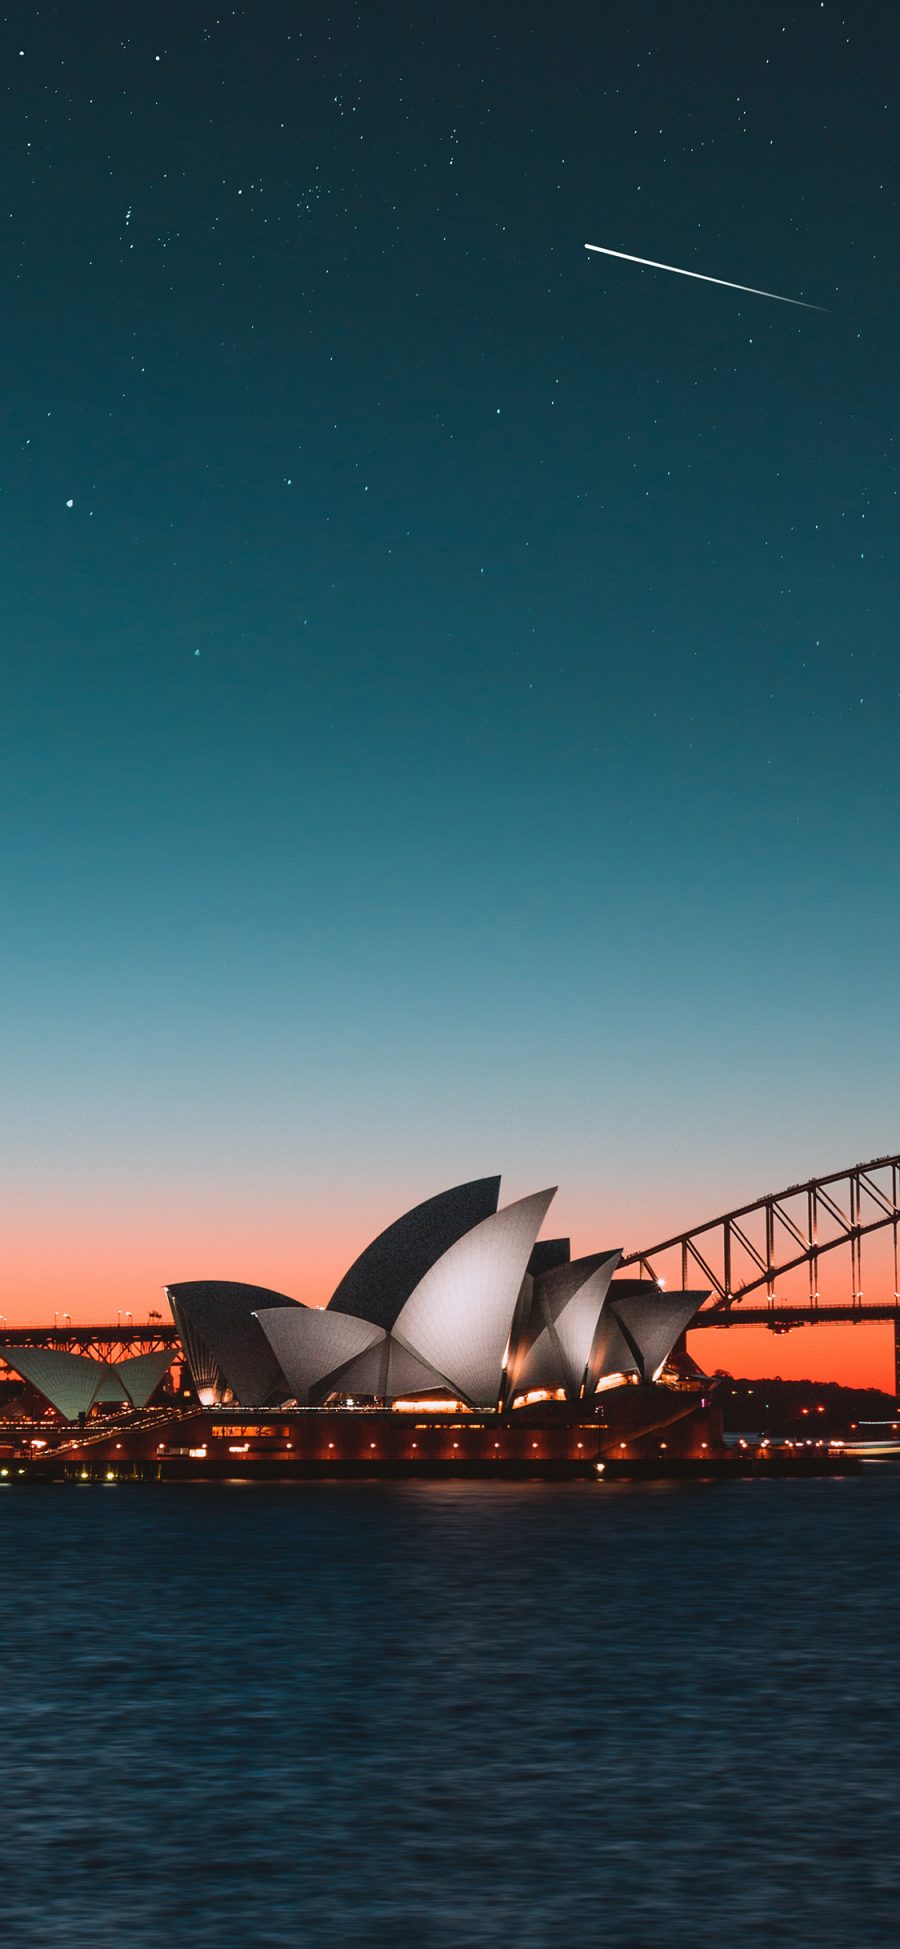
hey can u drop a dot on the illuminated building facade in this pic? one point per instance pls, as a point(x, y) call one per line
point(457, 1301)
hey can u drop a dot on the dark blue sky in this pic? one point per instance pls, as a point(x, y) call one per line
point(453, 726)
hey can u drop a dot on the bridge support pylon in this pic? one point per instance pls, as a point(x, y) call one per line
point(897, 1355)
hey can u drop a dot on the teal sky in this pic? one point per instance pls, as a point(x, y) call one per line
point(453, 726)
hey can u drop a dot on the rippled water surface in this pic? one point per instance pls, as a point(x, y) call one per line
point(451, 1715)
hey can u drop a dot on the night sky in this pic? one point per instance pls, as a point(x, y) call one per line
point(450, 694)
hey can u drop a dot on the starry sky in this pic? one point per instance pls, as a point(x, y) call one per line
point(450, 693)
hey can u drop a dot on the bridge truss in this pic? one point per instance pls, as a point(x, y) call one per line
point(762, 1262)
point(109, 1343)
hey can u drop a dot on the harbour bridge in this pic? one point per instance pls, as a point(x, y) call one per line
point(109, 1343)
point(761, 1263)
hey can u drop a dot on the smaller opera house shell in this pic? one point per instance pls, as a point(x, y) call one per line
point(73, 1383)
point(458, 1299)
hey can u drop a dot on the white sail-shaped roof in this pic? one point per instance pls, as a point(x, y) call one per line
point(216, 1321)
point(610, 1352)
point(540, 1365)
point(311, 1344)
point(390, 1370)
point(111, 1390)
point(576, 1323)
point(142, 1373)
point(565, 1308)
point(407, 1374)
point(653, 1322)
point(382, 1278)
point(458, 1318)
point(69, 1381)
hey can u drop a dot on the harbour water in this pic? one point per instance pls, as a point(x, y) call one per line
point(451, 1715)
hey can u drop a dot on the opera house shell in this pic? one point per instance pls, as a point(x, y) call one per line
point(458, 1300)
point(74, 1383)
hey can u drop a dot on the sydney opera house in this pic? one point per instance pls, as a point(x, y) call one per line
point(458, 1320)
point(457, 1300)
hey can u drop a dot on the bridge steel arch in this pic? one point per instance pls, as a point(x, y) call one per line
point(746, 1252)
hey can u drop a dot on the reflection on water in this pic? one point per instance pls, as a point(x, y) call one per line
point(443, 1716)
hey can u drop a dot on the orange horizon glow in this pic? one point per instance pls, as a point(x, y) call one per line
point(84, 1265)
point(854, 1356)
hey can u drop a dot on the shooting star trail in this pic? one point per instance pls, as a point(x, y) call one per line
point(677, 271)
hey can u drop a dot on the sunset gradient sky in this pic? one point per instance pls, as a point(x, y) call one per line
point(450, 690)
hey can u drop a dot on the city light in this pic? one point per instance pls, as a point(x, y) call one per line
point(428, 1405)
